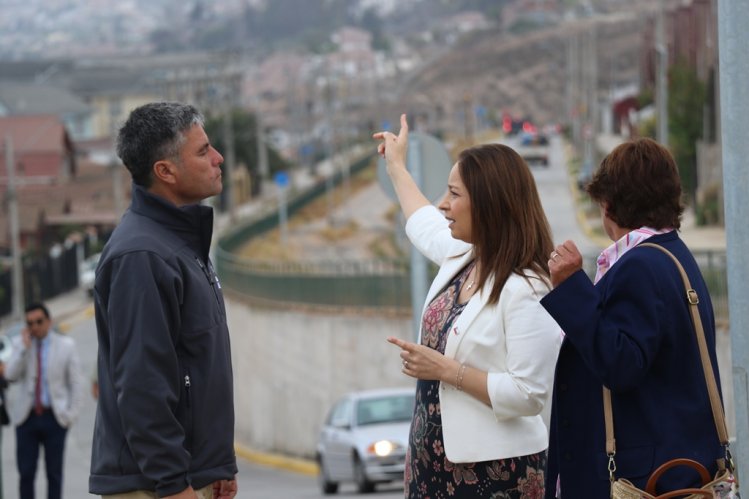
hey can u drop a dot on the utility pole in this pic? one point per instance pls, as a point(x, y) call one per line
point(17, 271)
point(468, 116)
point(229, 159)
point(115, 166)
point(590, 84)
point(661, 87)
point(419, 279)
point(733, 39)
point(226, 94)
point(262, 152)
point(571, 89)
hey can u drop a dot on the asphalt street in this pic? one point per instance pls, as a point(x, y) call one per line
point(75, 316)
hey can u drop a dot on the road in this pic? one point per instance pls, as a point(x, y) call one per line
point(556, 197)
point(255, 481)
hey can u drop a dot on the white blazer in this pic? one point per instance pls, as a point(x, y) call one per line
point(64, 379)
point(515, 341)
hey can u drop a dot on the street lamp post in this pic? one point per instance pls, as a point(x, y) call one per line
point(17, 277)
point(11, 184)
point(661, 94)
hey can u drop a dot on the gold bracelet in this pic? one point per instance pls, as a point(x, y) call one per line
point(459, 377)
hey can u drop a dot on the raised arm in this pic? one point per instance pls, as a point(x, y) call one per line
point(394, 149)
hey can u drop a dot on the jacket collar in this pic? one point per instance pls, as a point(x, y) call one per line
point(192, 223)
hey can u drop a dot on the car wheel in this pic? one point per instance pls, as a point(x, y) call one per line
point(363, 484)
point(326, 485)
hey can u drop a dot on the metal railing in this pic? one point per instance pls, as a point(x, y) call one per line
point(370, 284)
point(377, 284)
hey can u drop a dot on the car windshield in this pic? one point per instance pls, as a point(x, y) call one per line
point(385, 409)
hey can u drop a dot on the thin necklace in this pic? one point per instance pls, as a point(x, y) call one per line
point(473, 281)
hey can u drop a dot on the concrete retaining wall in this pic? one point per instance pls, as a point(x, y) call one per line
point(290, 367)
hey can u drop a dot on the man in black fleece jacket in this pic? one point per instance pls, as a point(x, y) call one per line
point(165, 417)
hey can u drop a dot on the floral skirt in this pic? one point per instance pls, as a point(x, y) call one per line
point(430, 475)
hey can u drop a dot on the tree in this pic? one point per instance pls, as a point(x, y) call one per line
point(245, 143)
point(685, 108)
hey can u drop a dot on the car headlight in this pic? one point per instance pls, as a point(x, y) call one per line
point(382, 448)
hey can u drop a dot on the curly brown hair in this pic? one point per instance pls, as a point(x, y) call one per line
point(638, 183)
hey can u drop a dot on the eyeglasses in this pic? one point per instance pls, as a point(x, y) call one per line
point(37, 322)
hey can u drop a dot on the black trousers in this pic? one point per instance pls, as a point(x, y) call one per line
point(36, 431)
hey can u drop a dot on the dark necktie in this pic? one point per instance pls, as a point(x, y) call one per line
point(38, 408)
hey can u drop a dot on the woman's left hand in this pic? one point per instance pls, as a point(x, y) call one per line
point(564, 261)
point(421, 362)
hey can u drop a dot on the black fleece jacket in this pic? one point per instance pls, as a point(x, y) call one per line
point(165, 417)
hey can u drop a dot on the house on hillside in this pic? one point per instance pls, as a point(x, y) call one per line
point(44, 159)
point(42, 148)
point(48, 215)
point(19, 98)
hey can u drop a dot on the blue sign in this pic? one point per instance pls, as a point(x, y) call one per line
point(282, 179)
point(385, 125)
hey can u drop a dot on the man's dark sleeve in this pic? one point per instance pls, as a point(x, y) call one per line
point(143, 314)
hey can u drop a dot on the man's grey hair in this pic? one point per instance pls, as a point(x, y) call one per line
point(154, 132)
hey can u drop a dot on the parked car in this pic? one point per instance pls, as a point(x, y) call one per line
point(87, 273)
point(364, 439)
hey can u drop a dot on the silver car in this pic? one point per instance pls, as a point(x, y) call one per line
point(364, 439)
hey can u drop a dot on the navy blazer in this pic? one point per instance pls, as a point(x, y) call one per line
point(633, 333)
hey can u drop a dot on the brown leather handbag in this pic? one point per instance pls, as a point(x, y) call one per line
point(724, 485)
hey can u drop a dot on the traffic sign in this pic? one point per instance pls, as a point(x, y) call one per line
point(430, 174)
point(282, 179)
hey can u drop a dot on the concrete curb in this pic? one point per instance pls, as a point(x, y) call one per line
point(287, 463)
point(69, 320)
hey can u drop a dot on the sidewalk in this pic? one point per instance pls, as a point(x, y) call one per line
point(702, 238)
point(697, 238)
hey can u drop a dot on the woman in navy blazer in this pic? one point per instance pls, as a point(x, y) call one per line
point(486, 350)
point(631, 332)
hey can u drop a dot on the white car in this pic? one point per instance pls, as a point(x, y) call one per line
point(87, 273)
point(364, 439)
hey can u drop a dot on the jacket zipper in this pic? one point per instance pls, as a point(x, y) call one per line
point(187, 390)
point(212, 279)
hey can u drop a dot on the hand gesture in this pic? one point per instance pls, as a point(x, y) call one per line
point(224, 489)
point(564, 261)
point(26, 337)
point(394, 147)
point(421, 362)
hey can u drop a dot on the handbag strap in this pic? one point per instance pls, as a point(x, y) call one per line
point(712, 386)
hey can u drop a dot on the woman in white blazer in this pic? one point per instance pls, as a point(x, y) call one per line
point(484, 361)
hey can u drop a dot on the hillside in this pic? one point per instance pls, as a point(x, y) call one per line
point(523, 74)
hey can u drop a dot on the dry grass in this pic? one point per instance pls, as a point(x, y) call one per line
point(269, 247)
